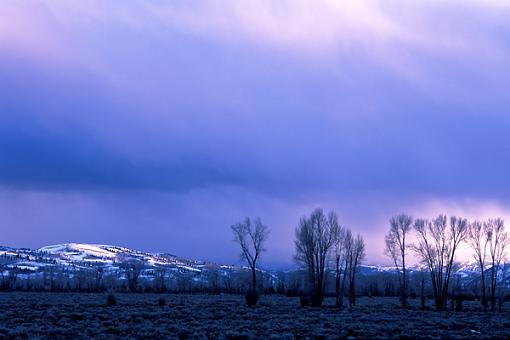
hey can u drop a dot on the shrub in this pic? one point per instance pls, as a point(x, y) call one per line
point(252, 297)
point(111, 300)
point(304, 301)
point(316, 299)
point(313, 300)
point(459, 298)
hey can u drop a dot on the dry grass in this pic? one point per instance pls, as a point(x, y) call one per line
point(63, 315)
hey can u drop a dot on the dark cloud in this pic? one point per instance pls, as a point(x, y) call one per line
point(54, 135)
point(157, 125)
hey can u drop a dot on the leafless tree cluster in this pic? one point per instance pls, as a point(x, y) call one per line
point(489, 241)
point(437, 242)
point(478, 241)
point(132, 270)
point(319, 237)
point(315, 236)
point(355, 253)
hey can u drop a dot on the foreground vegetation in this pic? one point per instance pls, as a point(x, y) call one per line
point(65, 315)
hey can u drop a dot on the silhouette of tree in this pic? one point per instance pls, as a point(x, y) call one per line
point(437, 242)
point(396, 249)
point(315, 235)
point(251, 237)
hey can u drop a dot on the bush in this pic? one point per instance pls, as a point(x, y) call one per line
point(459, 299)
point(304, 301)
point(458, 305)
point(313, 300)
point(161, 301)
point(316, 299)
point(111, 300)
point(252, 297)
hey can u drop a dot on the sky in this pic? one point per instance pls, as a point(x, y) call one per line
point(158, 124)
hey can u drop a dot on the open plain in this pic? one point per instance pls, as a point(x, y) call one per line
point(83, 315)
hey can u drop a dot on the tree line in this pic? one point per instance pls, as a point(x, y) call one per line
point(323, 246)
point(437, 243)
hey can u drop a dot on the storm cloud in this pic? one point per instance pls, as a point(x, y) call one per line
point(156, 125)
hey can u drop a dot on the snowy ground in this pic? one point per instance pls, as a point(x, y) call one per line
point(66, 315)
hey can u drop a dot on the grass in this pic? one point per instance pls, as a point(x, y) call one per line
point(62, 315)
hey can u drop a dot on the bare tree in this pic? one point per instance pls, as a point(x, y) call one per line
point(477, 239)
point(314, 239)
point(98, 279)
point(396, 249)
point(437, 242)
point(158, 282)
point(132, 269)
point(498, 242)
point(251, 237)
point(339, 255)
point(354, 257)
point(348, 244)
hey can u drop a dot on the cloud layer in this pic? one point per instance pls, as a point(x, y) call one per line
point(176, 119)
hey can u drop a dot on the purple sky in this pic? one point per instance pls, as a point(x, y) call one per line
point(156, 125)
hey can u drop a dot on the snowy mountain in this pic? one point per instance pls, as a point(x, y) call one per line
point(113, 256)
point(76, 256)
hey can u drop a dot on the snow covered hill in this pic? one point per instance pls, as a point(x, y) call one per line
point(76, 256)
point(113, 256)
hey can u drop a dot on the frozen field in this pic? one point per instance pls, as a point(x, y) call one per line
point(69, 315)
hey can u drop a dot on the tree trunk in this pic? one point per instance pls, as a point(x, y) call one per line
point(342, 287)
point(484, 293)
point(337, 282)
point(404, 283)
point(253, 278)
point(422, 292)
point(352, 291)
point(493, 288)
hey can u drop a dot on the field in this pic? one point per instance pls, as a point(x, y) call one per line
point(70, 315)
